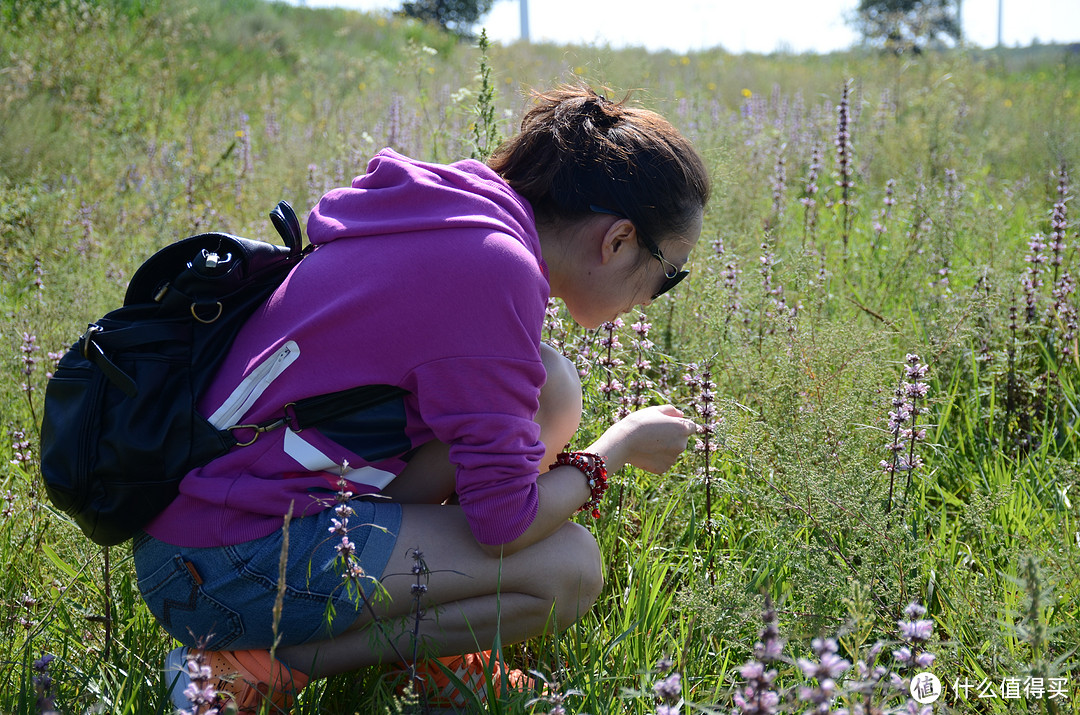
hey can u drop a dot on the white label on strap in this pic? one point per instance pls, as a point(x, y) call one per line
point(313, 460)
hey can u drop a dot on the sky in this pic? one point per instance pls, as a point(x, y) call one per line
point(743, 25)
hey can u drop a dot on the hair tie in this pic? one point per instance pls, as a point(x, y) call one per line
point(602, 111)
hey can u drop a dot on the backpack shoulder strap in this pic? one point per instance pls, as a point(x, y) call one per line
point(288, 226)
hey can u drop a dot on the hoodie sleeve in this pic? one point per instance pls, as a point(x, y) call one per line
point(480, 407)
point(481, 394)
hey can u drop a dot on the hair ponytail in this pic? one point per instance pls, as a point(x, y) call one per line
point(577, 149)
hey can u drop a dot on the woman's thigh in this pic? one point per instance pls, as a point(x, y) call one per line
point(564, 567)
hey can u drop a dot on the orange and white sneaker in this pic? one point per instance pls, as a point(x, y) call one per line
point(473, 671)
point(244, 679)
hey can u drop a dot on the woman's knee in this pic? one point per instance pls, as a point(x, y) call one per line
point(579, 576)
point(560, 401)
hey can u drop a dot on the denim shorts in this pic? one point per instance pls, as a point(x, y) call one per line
point(223, 597)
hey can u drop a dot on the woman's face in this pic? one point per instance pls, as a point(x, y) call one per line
point(627, 275)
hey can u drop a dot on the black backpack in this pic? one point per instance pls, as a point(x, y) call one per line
point(120, 429)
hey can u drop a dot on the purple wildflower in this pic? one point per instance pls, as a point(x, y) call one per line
point(699, 380)
point(757, 696)
point(54, 359)
point(943, 273)
point(636, 395)
point(915, 610)
point(775, 294)
point(902, 424)
point(1031, 281)
point(352, 571)
point(954, 187)
point(555, 326)
point(22, 447)
point(881, 219)
point(729, 281)
point(779, 187)
point(924, 660)
point(28, 348)
point(916, 631)
point(912, 656)
point(704, 398)
point(669, 690)
point(867, 679)
point(43, 683)
point(608, 358)
point(86, 242)
point(829, 665)
point(1064, 314)
point(845, 161)
point(201, 691)
point(1059, 223)
point(39, 275)
point(418, 589)
point(314, 184)
point(826, 670)
point(809, 199)
point(346, 548)
point(1062, 311)
point(551, 695)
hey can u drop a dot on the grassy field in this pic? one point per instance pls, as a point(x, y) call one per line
point(879, 339)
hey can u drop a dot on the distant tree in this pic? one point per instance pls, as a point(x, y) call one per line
point(908, 25)
point(456, 16)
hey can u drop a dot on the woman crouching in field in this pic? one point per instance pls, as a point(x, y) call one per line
point(433, 279)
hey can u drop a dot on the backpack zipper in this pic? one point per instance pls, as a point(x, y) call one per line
point(254, 385)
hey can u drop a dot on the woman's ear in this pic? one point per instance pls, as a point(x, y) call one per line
point(618, 241)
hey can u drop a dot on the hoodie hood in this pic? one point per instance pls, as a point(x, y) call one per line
point(400, 195)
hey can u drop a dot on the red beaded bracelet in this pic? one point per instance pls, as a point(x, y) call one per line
point(594, 469)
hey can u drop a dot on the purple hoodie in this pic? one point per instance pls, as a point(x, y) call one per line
point(424, 276)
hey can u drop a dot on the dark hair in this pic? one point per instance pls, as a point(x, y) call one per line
point(577, 150)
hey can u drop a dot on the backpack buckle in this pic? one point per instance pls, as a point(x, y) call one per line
point(87, 339)
point(258, 429)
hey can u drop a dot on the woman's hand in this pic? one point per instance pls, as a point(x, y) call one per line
point(651, 439)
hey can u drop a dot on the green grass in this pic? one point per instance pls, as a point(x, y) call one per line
point(125, 126)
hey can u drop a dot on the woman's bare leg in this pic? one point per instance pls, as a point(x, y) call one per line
point(470, 595)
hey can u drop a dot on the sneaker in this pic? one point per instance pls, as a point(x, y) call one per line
point(244, 678)
point(473, 671)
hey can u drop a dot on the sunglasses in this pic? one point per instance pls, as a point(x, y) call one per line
point(672, 275)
